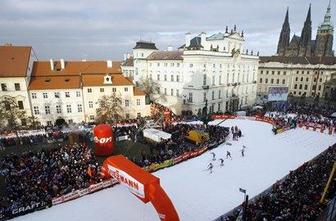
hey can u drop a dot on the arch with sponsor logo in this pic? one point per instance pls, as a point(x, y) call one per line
point(142, 184)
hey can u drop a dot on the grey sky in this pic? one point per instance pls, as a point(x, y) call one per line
point(102, 29)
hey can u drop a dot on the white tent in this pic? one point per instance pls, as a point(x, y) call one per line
point(257, 107)
point(156, 135)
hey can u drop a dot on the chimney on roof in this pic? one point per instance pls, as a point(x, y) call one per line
point(51, 64)
point(109, 63)
point(62, 64)
point(187, 39)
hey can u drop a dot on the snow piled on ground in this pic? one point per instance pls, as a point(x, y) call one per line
point(197, 194)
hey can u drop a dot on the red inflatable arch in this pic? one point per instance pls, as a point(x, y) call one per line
point(103, 139)
point(142, 184)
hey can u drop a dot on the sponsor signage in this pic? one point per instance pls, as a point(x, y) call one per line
point(27, 209)
point(102, 140)
point(125, 179)
point(82, 192)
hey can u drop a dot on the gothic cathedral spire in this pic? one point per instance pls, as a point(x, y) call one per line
point(284, 36)
point(305, 40)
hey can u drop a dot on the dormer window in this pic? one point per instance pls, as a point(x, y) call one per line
point(107, 79)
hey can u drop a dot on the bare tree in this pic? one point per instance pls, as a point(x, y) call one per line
point(109, 109)
point(10, 113)
point(32, 122)
point(150, 88)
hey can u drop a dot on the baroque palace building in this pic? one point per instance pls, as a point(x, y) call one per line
point(303, 65)
point(209, 73)
point(50, 89)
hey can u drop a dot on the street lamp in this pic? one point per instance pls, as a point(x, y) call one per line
point(245, 203)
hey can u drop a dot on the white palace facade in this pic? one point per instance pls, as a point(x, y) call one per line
point(207, 74)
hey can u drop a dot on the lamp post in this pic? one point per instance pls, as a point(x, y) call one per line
point(245, 203)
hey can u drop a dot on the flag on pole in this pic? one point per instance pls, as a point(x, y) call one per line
point(242, 190)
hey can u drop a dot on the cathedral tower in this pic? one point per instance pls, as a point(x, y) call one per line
point(305, 40)
point(324, 36)
point(284, 37)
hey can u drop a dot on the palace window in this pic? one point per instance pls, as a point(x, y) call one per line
point(36, 110)
point(20, 104)
point(3, 87)
point(17, 86)
point(69, 108)
point(58, 109)
point(47, 109)
point(79, 108)
point(126, 103)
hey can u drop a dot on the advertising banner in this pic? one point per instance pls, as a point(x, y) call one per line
point(123, 178)
point(222, 116)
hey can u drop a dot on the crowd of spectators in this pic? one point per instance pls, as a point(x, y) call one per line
point(302, 114)
point(297, 196)
point(178, 144)
point(40, 176)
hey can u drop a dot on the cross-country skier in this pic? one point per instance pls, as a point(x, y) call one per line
point(221, 162)
point(210, 166)
point(242, 152)
point(228, 154)
point(213, 156)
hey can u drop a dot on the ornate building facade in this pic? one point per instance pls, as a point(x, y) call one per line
point(301, 64)
point(303, 45)
point(207, 74)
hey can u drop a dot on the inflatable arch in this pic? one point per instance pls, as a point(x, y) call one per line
point(142, 184)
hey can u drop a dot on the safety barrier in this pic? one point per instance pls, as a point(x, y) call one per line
point(309, 126)
point(167, 163)
point(317, 127)
point(82, 192)
point(255, 118)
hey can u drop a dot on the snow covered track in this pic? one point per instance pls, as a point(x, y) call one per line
point(197, 194)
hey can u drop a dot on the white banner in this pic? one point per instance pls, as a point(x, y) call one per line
point(79, 193)
point(124, 178)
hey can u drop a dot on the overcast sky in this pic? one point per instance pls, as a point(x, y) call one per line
point(106, 29)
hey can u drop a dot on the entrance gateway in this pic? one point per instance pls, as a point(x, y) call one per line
point(142, 184)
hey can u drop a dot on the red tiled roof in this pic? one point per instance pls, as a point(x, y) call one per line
point(43, 68)
point(54, 82)
point(14, 60)
point(138, 92)
point(98, 80)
